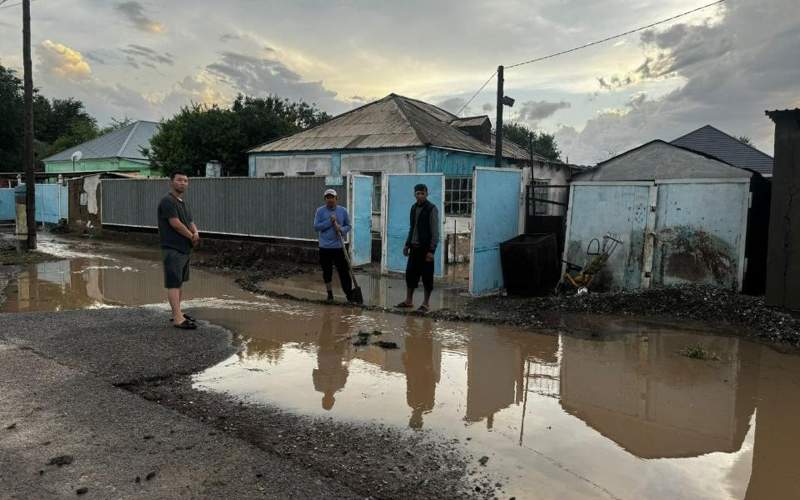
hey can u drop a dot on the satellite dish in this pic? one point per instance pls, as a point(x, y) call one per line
point(77, 155)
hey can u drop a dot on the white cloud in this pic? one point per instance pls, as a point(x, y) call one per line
point(59, 60)
point(732, 72)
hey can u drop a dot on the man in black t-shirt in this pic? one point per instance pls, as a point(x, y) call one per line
point(178, 235)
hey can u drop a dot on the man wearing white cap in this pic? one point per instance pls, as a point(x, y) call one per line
point(332, 222)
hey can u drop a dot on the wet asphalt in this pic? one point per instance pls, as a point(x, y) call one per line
point(60, 396)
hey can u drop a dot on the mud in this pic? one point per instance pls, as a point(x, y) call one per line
point(749, 316)
point(376, 461)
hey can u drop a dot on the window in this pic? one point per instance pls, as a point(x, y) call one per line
point(541, 192)
point(377, 179)
point(274, 174)
point(458, 196)
point(308, 174)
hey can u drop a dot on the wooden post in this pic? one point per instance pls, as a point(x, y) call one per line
point(498, 134)
point(30, 179)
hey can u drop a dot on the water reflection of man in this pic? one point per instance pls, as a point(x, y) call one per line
point(421, 361)
point(330, 376)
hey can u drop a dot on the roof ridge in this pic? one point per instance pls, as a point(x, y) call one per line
point(398, 101)
point(333, 119)
point(128, 139)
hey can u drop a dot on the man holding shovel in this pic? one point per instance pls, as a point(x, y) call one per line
point(332, 222)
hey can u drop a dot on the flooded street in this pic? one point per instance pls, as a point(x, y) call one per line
point(621, 415)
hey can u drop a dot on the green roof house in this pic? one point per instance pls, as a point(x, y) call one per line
point(117, 151)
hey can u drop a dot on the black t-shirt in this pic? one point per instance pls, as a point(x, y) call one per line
point(168, 208)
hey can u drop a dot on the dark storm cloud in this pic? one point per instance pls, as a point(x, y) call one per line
point(534, 111)
point(134, 13)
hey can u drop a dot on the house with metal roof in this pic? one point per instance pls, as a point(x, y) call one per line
point(714, 142)
point(398, 134)
point(119, 151)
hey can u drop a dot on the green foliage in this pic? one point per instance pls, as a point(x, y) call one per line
point(11, 110)
point(201, 133)
point(543, 143)
point(58, 124)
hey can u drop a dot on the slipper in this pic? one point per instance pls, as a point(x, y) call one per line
point(186, 325)
point(404, 305)
point(423, 309)
point(187, 317)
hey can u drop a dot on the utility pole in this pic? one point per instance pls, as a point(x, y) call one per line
point(498, 133)
point(30, 180)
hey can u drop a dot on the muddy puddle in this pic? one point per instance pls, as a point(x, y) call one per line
point(558, 416)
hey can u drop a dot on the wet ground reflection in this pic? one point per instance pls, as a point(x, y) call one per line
point(560, 416)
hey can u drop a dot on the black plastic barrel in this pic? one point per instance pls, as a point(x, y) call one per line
point(530, 264)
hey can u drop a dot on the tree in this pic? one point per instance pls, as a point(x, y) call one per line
point(745, 140)
point(60, 123)
point(11, 109)
point(543, 143)
point(115, 125)
point(200, 133)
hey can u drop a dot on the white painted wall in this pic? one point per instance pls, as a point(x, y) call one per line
point(558, 176)
point(290, 165)
point(394, 163)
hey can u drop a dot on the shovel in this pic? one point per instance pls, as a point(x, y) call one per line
point(355, 295)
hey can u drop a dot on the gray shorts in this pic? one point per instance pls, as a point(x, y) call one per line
point(176, 267)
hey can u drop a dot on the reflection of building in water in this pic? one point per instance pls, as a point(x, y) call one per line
point(330, 375)
point(775, 473)
point(422, 360)
point(495, 375)
point(641, 393)
point(499, 366)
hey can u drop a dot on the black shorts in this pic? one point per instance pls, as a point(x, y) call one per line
point(176, 267)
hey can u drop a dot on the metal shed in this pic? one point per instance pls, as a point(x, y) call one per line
point(682, 217)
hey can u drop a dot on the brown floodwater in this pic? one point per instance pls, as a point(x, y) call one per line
point(559, 416)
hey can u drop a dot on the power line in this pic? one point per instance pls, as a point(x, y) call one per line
point(590, 44)
point(476, 94)
point(614, 37)
point(12, 5)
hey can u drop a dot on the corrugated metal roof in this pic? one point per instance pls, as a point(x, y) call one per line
point(123, 143)
point(470, 121)
point(714, 142)
point(659, 160)
point(392, 122)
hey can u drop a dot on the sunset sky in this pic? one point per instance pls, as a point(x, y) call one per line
point(722, 66)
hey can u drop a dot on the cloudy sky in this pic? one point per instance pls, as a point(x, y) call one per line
point(145, 59)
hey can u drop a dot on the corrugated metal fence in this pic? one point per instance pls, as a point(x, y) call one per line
point(240, 206)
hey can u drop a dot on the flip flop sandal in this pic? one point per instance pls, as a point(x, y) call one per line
point(187, 317)
point(404, 305)
point(186, 325)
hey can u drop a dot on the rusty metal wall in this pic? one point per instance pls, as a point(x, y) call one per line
point(238, 206)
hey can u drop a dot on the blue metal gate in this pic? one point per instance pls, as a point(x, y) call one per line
point(398, 198)
point(496, 196)
point(360, 205)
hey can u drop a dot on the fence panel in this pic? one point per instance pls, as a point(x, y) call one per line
point(242, 206)
point(7, 210)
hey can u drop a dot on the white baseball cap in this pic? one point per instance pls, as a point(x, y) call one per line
point(330, 192)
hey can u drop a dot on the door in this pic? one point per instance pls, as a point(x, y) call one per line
point(597, 209)
point(360, 204)
point(397, 200)
point(495, 218)
point(696, 242)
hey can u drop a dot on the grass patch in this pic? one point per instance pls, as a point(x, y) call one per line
point(698, 352)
